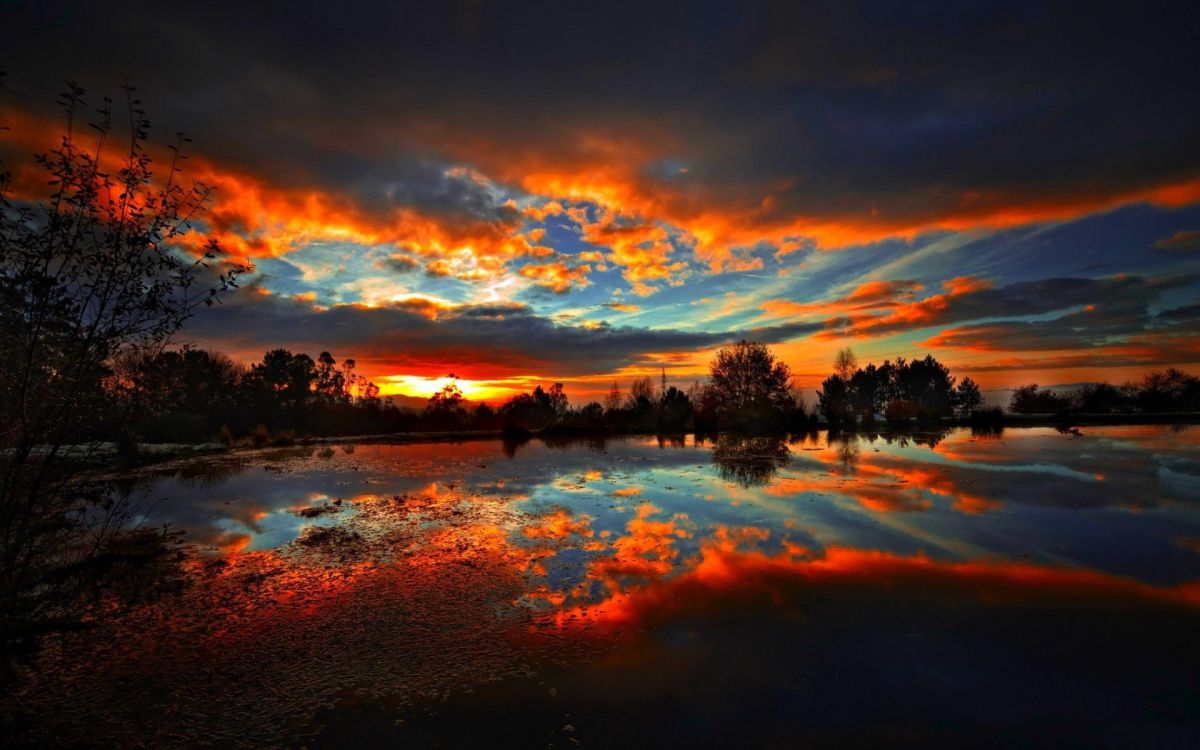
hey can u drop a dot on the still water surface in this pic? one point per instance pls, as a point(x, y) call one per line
point(1035, 588)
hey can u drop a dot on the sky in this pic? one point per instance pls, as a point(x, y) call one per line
point(534, 192)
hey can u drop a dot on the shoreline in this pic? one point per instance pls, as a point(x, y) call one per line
point(150, 454)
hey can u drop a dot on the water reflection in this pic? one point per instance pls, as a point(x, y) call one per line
point(749, 461)
point(761, 578)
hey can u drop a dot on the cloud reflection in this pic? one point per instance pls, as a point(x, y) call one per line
point(457, 564)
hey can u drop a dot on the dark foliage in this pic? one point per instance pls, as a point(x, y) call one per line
point(537, 410)
point(192, 395)
point(748, 390)
point(94, 274)
point(903, 391)
point(749, 461)
point(1160, 392)
point(1028, 399)
point(985, 420)
point(1166, 391)
point(967, 398)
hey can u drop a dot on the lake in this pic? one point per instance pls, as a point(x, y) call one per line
point(1030, 588)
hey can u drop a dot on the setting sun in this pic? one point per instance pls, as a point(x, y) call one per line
point(420, 386)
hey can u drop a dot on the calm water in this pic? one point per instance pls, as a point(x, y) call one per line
point(1033, 589)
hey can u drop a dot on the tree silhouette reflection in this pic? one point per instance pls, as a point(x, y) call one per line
point(749, 461)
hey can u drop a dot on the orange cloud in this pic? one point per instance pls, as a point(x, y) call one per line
point(642, 250)
point(559, 525)
point(728, 566)
point(719, 222)
point(558, 277)
point(870, 295)
point(1185, 239)
point(254, 218)
point(908, 314)
point(884, 291)
point(541, 212)
point(646, 552)
point(637, 213)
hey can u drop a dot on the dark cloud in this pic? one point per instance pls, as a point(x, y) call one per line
point(1147, 358)
point(1098, 308)
point(1184, 239)
point(419, 335)
point(1115, 328)
point(400, 263)
point(1180, 315)
point(896, 113)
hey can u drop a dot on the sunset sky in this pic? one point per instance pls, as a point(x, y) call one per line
point(529, 193)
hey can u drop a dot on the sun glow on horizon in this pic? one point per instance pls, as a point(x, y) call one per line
point(420, 386)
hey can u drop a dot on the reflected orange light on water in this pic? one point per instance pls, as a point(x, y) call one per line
point(729, 577)
point(475, 566)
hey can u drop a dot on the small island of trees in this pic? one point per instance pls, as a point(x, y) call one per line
point(921, 390)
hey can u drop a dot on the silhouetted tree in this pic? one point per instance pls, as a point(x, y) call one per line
point(1161, 391)
point(449, 398)
point(749, 461)
point(485, 417)
point(281, 387)
point(536, 410)
point(920, 389)
point(674, 411)
point(748, 388)
point(835, 401)
point(612, 402)
point(331, 382)
point(445, 410)
point(589, 418)
point(845, 364)
point(867, 392)
point(1102, 398)
point(641, 394)
point(178, 395)
point(93, 272)
point(1169, 390)
point(967, 397)
point(189, 395)
point(927, 385)
point(1028, 399)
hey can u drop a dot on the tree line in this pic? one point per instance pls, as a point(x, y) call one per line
point(747, 389)
point(1169, 391)
point(921, 390)
point(193, 395)
point(924, 391)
